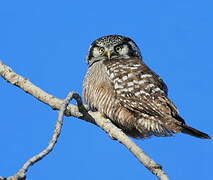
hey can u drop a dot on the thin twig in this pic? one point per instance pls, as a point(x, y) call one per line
point(89, 116)
point(21, 174)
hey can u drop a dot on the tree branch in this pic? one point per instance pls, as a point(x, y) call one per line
point(81, 112)
point(21, 174)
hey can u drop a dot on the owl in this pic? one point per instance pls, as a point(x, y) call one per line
point(124, 89)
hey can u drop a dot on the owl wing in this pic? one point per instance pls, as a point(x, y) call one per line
point(139, 89)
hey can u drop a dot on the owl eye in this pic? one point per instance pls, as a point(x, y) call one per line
point(101, 50)
point(118, 48)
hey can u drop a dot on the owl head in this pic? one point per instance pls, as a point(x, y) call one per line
point(112, 47)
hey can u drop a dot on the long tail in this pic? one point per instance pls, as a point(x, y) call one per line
point(194, 132)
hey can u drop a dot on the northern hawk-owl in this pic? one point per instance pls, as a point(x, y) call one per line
point(124, 89)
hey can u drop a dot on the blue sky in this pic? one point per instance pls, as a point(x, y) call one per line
point(47, 41)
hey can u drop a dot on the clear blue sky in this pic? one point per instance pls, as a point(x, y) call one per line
point(46, 42)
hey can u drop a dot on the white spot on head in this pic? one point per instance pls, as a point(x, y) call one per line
point(124, 50)
point(96, 52)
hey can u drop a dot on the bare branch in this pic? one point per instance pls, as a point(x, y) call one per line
point(81, 112)
point(38, 93)
point(21, 174)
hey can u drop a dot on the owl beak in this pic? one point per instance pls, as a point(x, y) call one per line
point(109, 54)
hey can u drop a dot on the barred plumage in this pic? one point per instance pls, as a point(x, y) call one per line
point(125, 90)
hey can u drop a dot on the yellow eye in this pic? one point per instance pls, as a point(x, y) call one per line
point(118, 48)
point(101, 50)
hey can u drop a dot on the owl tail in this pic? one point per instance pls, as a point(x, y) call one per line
point(194, 132)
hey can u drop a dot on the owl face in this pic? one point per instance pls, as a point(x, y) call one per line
point(112, 47)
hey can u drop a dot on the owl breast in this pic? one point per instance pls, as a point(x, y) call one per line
point(99, 93)
point(97, 89)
